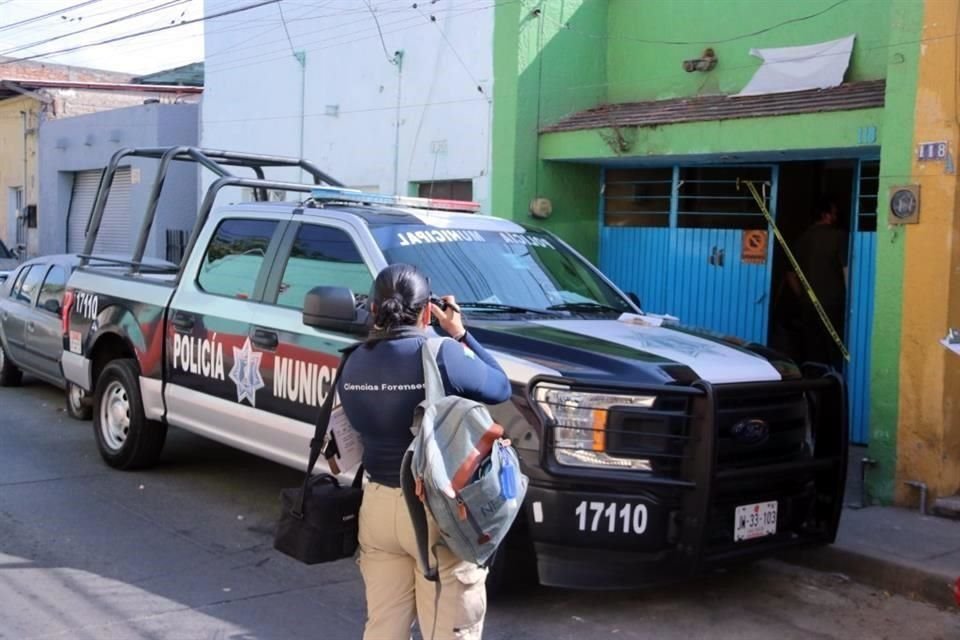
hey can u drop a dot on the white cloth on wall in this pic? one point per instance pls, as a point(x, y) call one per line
point(812, 66)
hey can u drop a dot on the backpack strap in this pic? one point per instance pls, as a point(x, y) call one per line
point(433, 392)
point(432, 379)
point(418, 515)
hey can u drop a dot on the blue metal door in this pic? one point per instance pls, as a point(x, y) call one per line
point(863, 254)
point(678, 238)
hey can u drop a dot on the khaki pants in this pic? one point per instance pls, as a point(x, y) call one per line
point(396, 590)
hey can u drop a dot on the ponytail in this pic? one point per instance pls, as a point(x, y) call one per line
point(399, 296)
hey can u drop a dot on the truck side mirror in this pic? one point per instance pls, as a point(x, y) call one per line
point(334, 309)
point(634, 299)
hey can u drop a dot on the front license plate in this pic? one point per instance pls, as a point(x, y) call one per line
point(755, 521)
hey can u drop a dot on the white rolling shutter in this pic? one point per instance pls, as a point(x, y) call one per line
point(115, 233)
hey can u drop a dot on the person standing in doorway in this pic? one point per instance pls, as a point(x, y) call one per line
point(822, 254)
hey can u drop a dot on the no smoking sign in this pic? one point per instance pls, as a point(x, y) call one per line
point(753, 247)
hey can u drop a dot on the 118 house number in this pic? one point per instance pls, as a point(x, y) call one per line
point(625, 519)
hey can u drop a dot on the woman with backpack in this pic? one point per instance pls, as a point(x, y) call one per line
point(380, 387)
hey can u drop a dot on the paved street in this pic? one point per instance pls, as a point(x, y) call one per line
point(184, 551)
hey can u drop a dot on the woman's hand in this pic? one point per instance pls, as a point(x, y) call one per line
point(451, 320)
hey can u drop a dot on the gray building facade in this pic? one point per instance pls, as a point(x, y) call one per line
point(73, 151)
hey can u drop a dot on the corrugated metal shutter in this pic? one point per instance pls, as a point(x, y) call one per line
point(115, 232)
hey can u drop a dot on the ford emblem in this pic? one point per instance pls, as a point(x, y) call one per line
point(750, 431)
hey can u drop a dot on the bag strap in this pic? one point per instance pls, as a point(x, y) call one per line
point(418, 515)
point(320, 430)
point(432, 379)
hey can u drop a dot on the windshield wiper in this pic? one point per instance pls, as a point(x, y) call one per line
point(583, 306)
point(496, 306)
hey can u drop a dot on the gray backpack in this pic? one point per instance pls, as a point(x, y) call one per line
point(463, 470)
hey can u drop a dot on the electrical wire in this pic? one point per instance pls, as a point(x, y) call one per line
point(140, 33)
point(160, 7)
point(44, 16)
point(390, 59)
point(326, 43)
point(283, 21)
point(741, 36)
point(456, 54)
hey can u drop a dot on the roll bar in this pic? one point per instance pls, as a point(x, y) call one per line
point(217, 161)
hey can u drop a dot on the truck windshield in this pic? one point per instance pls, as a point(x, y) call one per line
point(500, 272)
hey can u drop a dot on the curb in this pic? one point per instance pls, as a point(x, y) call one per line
point(903, 577)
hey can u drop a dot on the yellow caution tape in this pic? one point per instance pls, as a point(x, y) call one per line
point(796, 267)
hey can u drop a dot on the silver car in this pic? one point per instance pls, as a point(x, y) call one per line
point(31, 329)
point(31, 335)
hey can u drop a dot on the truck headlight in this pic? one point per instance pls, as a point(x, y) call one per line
point(580, 424)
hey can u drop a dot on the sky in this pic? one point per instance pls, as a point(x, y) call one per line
point(142, 54)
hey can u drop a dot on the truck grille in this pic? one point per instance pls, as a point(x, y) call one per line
point(662, 433)
point(782, 415)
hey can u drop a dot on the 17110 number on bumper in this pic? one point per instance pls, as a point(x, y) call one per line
point(611, 517)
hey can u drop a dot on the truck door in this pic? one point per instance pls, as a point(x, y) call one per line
point(299, 371)
point(214, 368)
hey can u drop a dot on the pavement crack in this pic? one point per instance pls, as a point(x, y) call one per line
point(82, 476)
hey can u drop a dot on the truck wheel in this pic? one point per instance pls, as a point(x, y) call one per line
point(125, 438)
point(78, 402)
point(10, 375)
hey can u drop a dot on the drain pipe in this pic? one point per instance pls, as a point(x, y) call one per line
point(922, 486)
point(21, 233)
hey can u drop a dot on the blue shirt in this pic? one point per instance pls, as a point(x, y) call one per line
point(381, 386)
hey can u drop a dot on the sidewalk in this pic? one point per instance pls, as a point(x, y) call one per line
point(893, 549)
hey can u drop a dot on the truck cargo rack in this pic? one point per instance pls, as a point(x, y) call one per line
point(217, 161)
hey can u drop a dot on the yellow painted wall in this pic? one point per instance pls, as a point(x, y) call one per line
point(11, 159)
point(929, 421)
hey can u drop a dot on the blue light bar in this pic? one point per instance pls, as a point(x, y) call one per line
point(337, 194)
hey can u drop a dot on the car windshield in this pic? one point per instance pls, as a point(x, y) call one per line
point(500, 272)
point(4, 252)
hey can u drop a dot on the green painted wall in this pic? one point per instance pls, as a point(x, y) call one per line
point(642, 67)
point(555, 57)
point(729, 137)
point(906, 21)
point(542, 71)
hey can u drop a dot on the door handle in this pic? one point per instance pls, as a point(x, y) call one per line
point(183, 321)
point(31, 327)
point(265, 339)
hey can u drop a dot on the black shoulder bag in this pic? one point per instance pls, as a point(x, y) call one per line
point(319, 521)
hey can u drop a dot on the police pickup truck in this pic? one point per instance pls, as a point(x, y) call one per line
point(654, 452)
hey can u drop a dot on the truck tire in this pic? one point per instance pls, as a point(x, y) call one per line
point(10, 375)
point(125, 438)
point(78, 402)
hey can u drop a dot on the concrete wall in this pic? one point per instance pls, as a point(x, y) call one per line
point(12, 160)
point(252, 94)
point(87, 142)
point(928, 430)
